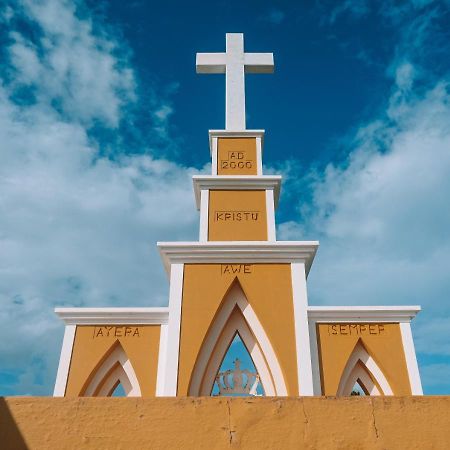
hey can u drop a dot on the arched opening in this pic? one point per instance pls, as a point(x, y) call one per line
point(113, 370)
point(362, 370)
point(236, 315)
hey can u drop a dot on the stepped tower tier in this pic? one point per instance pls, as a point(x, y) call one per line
point(238, 281)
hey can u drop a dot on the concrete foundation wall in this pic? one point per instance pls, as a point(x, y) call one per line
point(210, 423)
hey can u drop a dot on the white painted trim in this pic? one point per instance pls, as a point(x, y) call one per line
point(264, 342)
point(360, 354)
point(303, 346)
point(204, 215)
point(162, 360)
point(359, 374)
point(236, 183)
point(362, 313)
point(113, 316)
point(259, 165)
point(173, 338)
point(105, 376)
point(249, 252)
point(64, 361)
point(411, 360)
point(117, 375)
point(237, 297)
point(227, 133)
point(271, 233)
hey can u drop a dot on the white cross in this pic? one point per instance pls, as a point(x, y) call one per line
point(234, 63)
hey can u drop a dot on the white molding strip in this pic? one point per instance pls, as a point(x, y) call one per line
point(365, 313)
point(302, 343)
point(64, 361)
point(226, 133)
point(105, 316)
point(173, 331)
point(250, 252)
point(411, 360)
point(236, 182)
point(204, 216)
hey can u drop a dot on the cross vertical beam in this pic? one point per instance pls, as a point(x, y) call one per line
point(235, 63)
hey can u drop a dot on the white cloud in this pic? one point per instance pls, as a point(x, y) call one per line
point(76, 228)
point(71, 65)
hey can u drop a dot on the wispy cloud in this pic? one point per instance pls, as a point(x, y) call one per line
point(274, 16)
point(354, 8)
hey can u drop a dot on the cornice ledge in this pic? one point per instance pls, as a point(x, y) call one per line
point(238, 251)
point(363, 313)
point(113, 316)
point(231, 182)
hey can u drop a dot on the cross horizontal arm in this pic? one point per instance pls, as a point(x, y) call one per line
point(210, 62)
point(258, 62)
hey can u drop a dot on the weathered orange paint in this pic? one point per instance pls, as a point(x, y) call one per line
point(385, 348)
point(236, 156)
point(238, 202)
point(89, 351)
point(222, 423)
point(269, 292)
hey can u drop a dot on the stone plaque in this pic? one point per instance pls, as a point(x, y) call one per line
point(236, 156)
point(237, 216)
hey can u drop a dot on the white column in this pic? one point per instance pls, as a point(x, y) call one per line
point(270, 208)
point(300, 298)
point(411, 360)
point(173, 330)
point(204, 213)
point(64, 361)
point(259, 167)
point(214, 155)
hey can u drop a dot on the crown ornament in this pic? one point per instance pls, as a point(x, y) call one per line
point(237, 381)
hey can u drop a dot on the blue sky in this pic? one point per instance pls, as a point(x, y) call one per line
point(103, 121)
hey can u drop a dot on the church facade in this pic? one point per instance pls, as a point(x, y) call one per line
point(238, 280)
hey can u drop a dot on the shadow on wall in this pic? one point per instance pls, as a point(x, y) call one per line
point(10, 435)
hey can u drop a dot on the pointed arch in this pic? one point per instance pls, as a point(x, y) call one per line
point(362, 368)
point(114, 368)
point(236, 315)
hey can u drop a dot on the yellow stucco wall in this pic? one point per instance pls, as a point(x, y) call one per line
point(236, 156)
point(269, 292)
point(237, 216)
point(382, 341)
point(93, 342)
point(217, 423)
